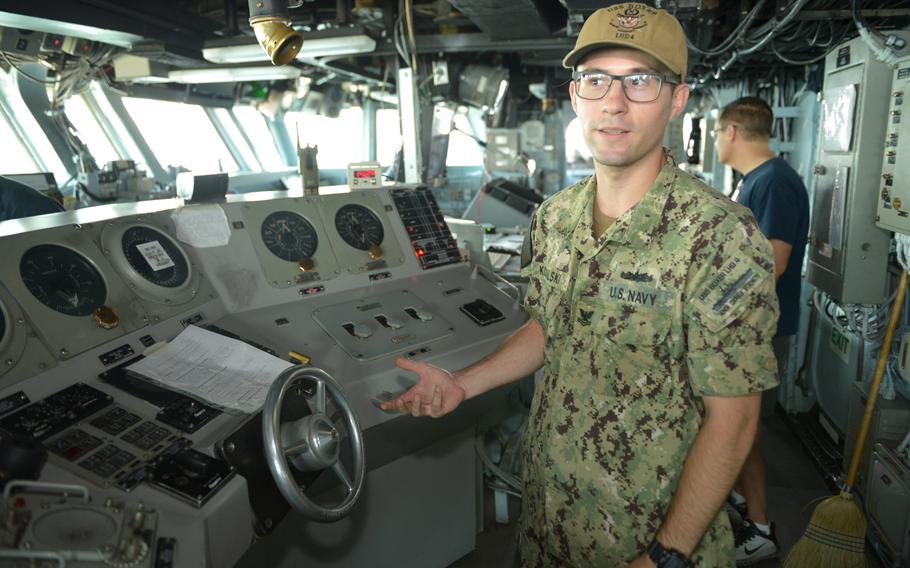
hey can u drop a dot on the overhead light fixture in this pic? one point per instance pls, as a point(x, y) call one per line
point(233, 74)
point(317, 44)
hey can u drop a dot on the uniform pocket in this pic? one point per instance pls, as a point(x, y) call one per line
point(628, 348)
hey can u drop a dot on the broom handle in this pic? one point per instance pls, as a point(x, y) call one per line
point(877, 380)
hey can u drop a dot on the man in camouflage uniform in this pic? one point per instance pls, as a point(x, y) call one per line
point(652, 308)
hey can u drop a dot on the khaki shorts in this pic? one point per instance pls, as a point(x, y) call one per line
point(781, 347)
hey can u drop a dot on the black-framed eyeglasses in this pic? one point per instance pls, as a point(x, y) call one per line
point(638, 87)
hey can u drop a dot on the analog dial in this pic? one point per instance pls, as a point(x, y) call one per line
point(155, 257)
point(289, 236)
point(359, 227)
point(62, 279)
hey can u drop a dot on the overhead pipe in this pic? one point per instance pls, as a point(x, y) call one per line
point(343, 8)
point(230, 17)
point(271, 21)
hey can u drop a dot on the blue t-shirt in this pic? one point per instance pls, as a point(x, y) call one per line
point(18, 200)
point(778, 199)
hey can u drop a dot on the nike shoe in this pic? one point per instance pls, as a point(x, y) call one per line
point(736, 511)
point(754, 545)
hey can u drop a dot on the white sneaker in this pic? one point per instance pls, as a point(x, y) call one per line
point(754, 545)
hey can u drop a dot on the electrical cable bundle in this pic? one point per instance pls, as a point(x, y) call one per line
point(786, 35)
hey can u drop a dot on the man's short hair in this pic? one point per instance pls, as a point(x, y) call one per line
point(751, 115)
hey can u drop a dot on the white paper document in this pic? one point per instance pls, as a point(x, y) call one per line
point(219, 370)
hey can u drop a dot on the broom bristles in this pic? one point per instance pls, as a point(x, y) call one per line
point(835, 537)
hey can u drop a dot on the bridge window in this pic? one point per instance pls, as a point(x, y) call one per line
point(41, 155)
point(255, 126)
point(15, 158)
point(81, 116)
point(180, 135)
point(97, 99)
point(238, 139)
point(576, 149)
point(388, 135)
point(463, 148)
point(340, 140)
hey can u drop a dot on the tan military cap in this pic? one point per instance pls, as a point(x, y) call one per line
point(634, 25)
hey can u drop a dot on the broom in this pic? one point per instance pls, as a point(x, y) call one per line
point(835, 537)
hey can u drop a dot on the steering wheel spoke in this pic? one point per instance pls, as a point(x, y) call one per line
point(295, 449)
point(320, 397)
point(342, 474)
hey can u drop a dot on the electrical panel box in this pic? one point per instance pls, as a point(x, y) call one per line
point(893, 211)
point(503, 151)
point(848, 253)
point(890, 422)
point(20, 42)
point(888, 504)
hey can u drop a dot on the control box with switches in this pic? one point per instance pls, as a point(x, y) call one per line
point(893, 210)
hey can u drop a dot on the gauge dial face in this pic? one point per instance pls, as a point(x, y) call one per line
point(62, 279)
point(289, 236)
point(155, 257)
point(359, 227)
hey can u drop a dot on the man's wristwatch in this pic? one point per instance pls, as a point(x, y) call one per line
point(667, 557)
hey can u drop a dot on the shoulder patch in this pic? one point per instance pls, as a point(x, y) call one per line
point(720, 300)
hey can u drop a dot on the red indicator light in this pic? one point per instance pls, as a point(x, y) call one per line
point(420, 253)
point(56, 42)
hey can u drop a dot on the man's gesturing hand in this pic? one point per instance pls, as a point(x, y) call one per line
point(435, 394)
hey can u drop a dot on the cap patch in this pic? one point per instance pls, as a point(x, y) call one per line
point(629, 21)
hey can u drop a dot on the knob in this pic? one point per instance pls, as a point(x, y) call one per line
point(896, 202)
point(819, 170)
point(306, 264)
point(395, 323)
point(375, 252)
point(105, 317)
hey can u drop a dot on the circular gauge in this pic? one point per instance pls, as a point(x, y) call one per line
point(2, 325)
point(62, 279)
point(154, 256)
point(289, 236)
point(359, 227)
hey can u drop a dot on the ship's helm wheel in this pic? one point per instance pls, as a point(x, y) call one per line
point(311, 443)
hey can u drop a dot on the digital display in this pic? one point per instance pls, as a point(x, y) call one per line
point(361, 174)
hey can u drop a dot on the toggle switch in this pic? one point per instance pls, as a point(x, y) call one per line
point(362, 331)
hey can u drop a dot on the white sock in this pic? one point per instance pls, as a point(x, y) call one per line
point(763, 528)
point(737, 498)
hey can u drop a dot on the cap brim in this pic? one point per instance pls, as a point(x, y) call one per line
point(576, 55)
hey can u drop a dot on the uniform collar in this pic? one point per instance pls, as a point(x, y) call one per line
point(636, 226)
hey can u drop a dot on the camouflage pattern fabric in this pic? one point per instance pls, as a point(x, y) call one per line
point(674, 302)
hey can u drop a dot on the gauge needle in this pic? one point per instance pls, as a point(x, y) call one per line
point(72, 299)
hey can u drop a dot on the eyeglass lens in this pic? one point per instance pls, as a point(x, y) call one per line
point(641, 87)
